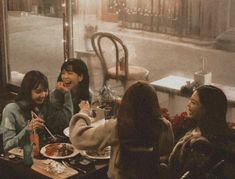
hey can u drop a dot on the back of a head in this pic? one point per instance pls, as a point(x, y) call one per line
point(31, 80)
point(138, 112)
point(139, 128)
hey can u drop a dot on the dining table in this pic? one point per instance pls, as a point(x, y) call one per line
point(78, 166)
point(15, 168)
point(172, 85)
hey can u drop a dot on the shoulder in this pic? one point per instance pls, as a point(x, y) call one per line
point(10, 113)
point(11, 107)
point(111, 124)
point(166, 123)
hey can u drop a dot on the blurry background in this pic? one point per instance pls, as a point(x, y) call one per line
point(168, 37)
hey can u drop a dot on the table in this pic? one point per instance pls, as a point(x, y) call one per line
point(96, 169)
point(172, 85)
point(88, 55)
point(15, 168)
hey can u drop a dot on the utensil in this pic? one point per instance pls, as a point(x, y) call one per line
point(53, 137)
point(74, 167)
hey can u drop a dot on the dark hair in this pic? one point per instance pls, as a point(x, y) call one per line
point(32, 80)
point(80, 68)
point(213, 102)
point(139, 126)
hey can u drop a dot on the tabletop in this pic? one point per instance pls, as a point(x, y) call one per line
point(172, 85)
point(79, 166)
point(16, 164)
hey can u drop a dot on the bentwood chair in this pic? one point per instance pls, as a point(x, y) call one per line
point(103, 43)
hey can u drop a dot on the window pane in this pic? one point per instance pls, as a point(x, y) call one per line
point(168, 37)
point(35, 38)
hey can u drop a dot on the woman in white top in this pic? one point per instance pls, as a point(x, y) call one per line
point(138, 137)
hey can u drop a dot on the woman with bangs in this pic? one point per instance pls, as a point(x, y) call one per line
point(73, 78)
point(31, 111)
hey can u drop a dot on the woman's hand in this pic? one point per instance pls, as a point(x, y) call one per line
point(84, 105)
point(36, 123)
point(60, 86)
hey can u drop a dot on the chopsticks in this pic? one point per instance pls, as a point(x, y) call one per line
point(49, 132)
point(53, 137)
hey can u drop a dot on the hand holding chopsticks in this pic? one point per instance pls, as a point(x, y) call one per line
point(35, 117)
point(35, 122)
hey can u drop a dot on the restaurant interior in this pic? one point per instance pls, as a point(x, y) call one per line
point(169, 43)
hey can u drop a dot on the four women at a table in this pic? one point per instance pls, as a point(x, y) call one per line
point(139, 135)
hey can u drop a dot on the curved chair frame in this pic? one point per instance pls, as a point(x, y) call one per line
point(121, 75)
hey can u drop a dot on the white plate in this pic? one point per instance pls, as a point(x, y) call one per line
point(75, 152)
point(84, 153)
point(66, 131)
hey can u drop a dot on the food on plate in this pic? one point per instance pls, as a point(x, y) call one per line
point(58, 149)
point(105, 153)
point(54, 166)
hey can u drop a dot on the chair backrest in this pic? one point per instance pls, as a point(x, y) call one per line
point(121, 61)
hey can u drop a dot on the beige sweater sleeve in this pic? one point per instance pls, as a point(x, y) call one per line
point(85, 137)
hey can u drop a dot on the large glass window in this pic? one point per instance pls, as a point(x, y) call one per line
point(35, 33)
point(165, 36)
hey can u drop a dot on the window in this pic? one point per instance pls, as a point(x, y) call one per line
point(164, 36)
point(35, 38)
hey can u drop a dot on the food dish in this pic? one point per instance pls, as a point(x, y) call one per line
point(104, 154)
point(66, 131)
point(59, 151)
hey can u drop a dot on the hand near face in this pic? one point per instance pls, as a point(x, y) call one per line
point(60, 86)
point(84, 105)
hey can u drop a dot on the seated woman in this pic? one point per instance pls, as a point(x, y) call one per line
point(73, 76)
point(137, 137)
point(210, 141)
point(32, 111)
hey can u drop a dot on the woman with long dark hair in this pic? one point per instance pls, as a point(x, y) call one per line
point(31, 111)
point(138, 137)
point(74, 77)
point(210, 141)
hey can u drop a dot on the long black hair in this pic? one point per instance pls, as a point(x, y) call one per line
point(212, 122)
point(139, 127)
point(79, 67)
point(32, 80)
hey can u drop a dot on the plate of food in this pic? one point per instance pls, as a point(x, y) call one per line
point(59, 151)
point(66, 131)
point(98, 154)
